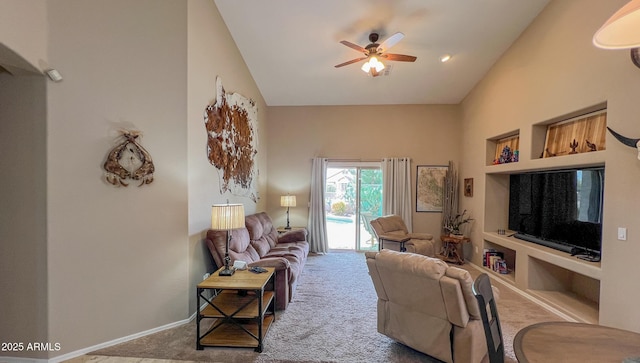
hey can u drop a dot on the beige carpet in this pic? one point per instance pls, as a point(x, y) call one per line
point(331, 319)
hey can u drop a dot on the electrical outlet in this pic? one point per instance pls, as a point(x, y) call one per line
point(206, 276)
point(476, 249)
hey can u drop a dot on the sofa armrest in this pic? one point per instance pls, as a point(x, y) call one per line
point(280, 263)
point(294, 235)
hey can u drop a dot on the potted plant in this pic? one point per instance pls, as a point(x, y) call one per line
point(453, 224)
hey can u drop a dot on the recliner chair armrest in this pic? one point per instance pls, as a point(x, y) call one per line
point(421, 246)
point(394, 237)
point(420, 235)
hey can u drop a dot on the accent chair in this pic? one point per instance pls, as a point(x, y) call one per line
point(427, 305)
point(391, 228)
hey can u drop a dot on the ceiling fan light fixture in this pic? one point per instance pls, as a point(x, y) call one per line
point(372, 63)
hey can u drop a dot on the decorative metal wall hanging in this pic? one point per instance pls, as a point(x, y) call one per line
point(129, 160)
point(232, 143)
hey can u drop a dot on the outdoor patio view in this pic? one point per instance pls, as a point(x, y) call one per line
point(353, 199)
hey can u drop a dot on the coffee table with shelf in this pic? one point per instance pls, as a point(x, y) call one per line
point(240, 309)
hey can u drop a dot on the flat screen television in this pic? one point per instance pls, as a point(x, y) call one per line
point(561, 209)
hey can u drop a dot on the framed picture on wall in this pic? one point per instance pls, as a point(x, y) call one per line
point(468, 187)
point(430, 187)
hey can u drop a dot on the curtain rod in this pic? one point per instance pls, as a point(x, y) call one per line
point(355, 160)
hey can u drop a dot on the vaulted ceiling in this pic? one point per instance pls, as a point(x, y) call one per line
point(292, 46)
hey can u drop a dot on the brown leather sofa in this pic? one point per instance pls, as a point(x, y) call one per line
point(392, 228)
point(259, 244)
point(427, 305)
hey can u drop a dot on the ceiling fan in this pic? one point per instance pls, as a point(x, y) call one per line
point(373, 51)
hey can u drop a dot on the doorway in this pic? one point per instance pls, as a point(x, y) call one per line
point(353, 197)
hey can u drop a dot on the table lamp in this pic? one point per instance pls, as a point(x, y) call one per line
point(622, 31)
point(225, 217)
point(288, 201)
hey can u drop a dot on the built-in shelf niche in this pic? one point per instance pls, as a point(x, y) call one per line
point(574, 294)
point(552, 138)
point(556, 278)
point(510, 259)
point(496, 144)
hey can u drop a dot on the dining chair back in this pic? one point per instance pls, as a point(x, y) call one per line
point(490, 319)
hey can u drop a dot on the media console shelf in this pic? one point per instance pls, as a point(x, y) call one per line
point(564, 282)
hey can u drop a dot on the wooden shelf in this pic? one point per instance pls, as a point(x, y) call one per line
point(240, 313)
point(228, 301)
point(231, 335)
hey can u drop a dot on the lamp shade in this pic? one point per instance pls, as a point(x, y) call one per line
point(622, 30)
point(227, 216)
point(288, 201)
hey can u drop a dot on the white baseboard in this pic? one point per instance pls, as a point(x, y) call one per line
point(84, 351)
point(21, 360)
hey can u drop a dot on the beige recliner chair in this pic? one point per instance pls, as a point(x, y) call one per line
point(427, 305)
point(391, 228)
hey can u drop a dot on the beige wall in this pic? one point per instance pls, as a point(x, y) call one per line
point(117, 257)
point(124, 260)
point(208, 39)
point(23, 245)
point(23, 130)
point(23, 25)
point(427, 134)
point(552, 70)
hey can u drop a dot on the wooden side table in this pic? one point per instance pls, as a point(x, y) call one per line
point(240, 309)
point(452, 249)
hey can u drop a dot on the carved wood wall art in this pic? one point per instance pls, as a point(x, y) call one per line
point(129, 160)
point(232, 145)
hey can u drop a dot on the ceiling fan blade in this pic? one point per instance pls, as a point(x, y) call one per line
point(353, 46)
point(399, 57)
point(350, 62)
point(390, 42)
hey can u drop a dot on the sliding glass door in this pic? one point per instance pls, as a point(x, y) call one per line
point(353, 199)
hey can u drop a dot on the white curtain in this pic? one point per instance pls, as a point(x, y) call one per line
point(396, 189)
point(318, 241)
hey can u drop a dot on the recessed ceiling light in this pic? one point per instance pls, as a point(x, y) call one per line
point(445, 58)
